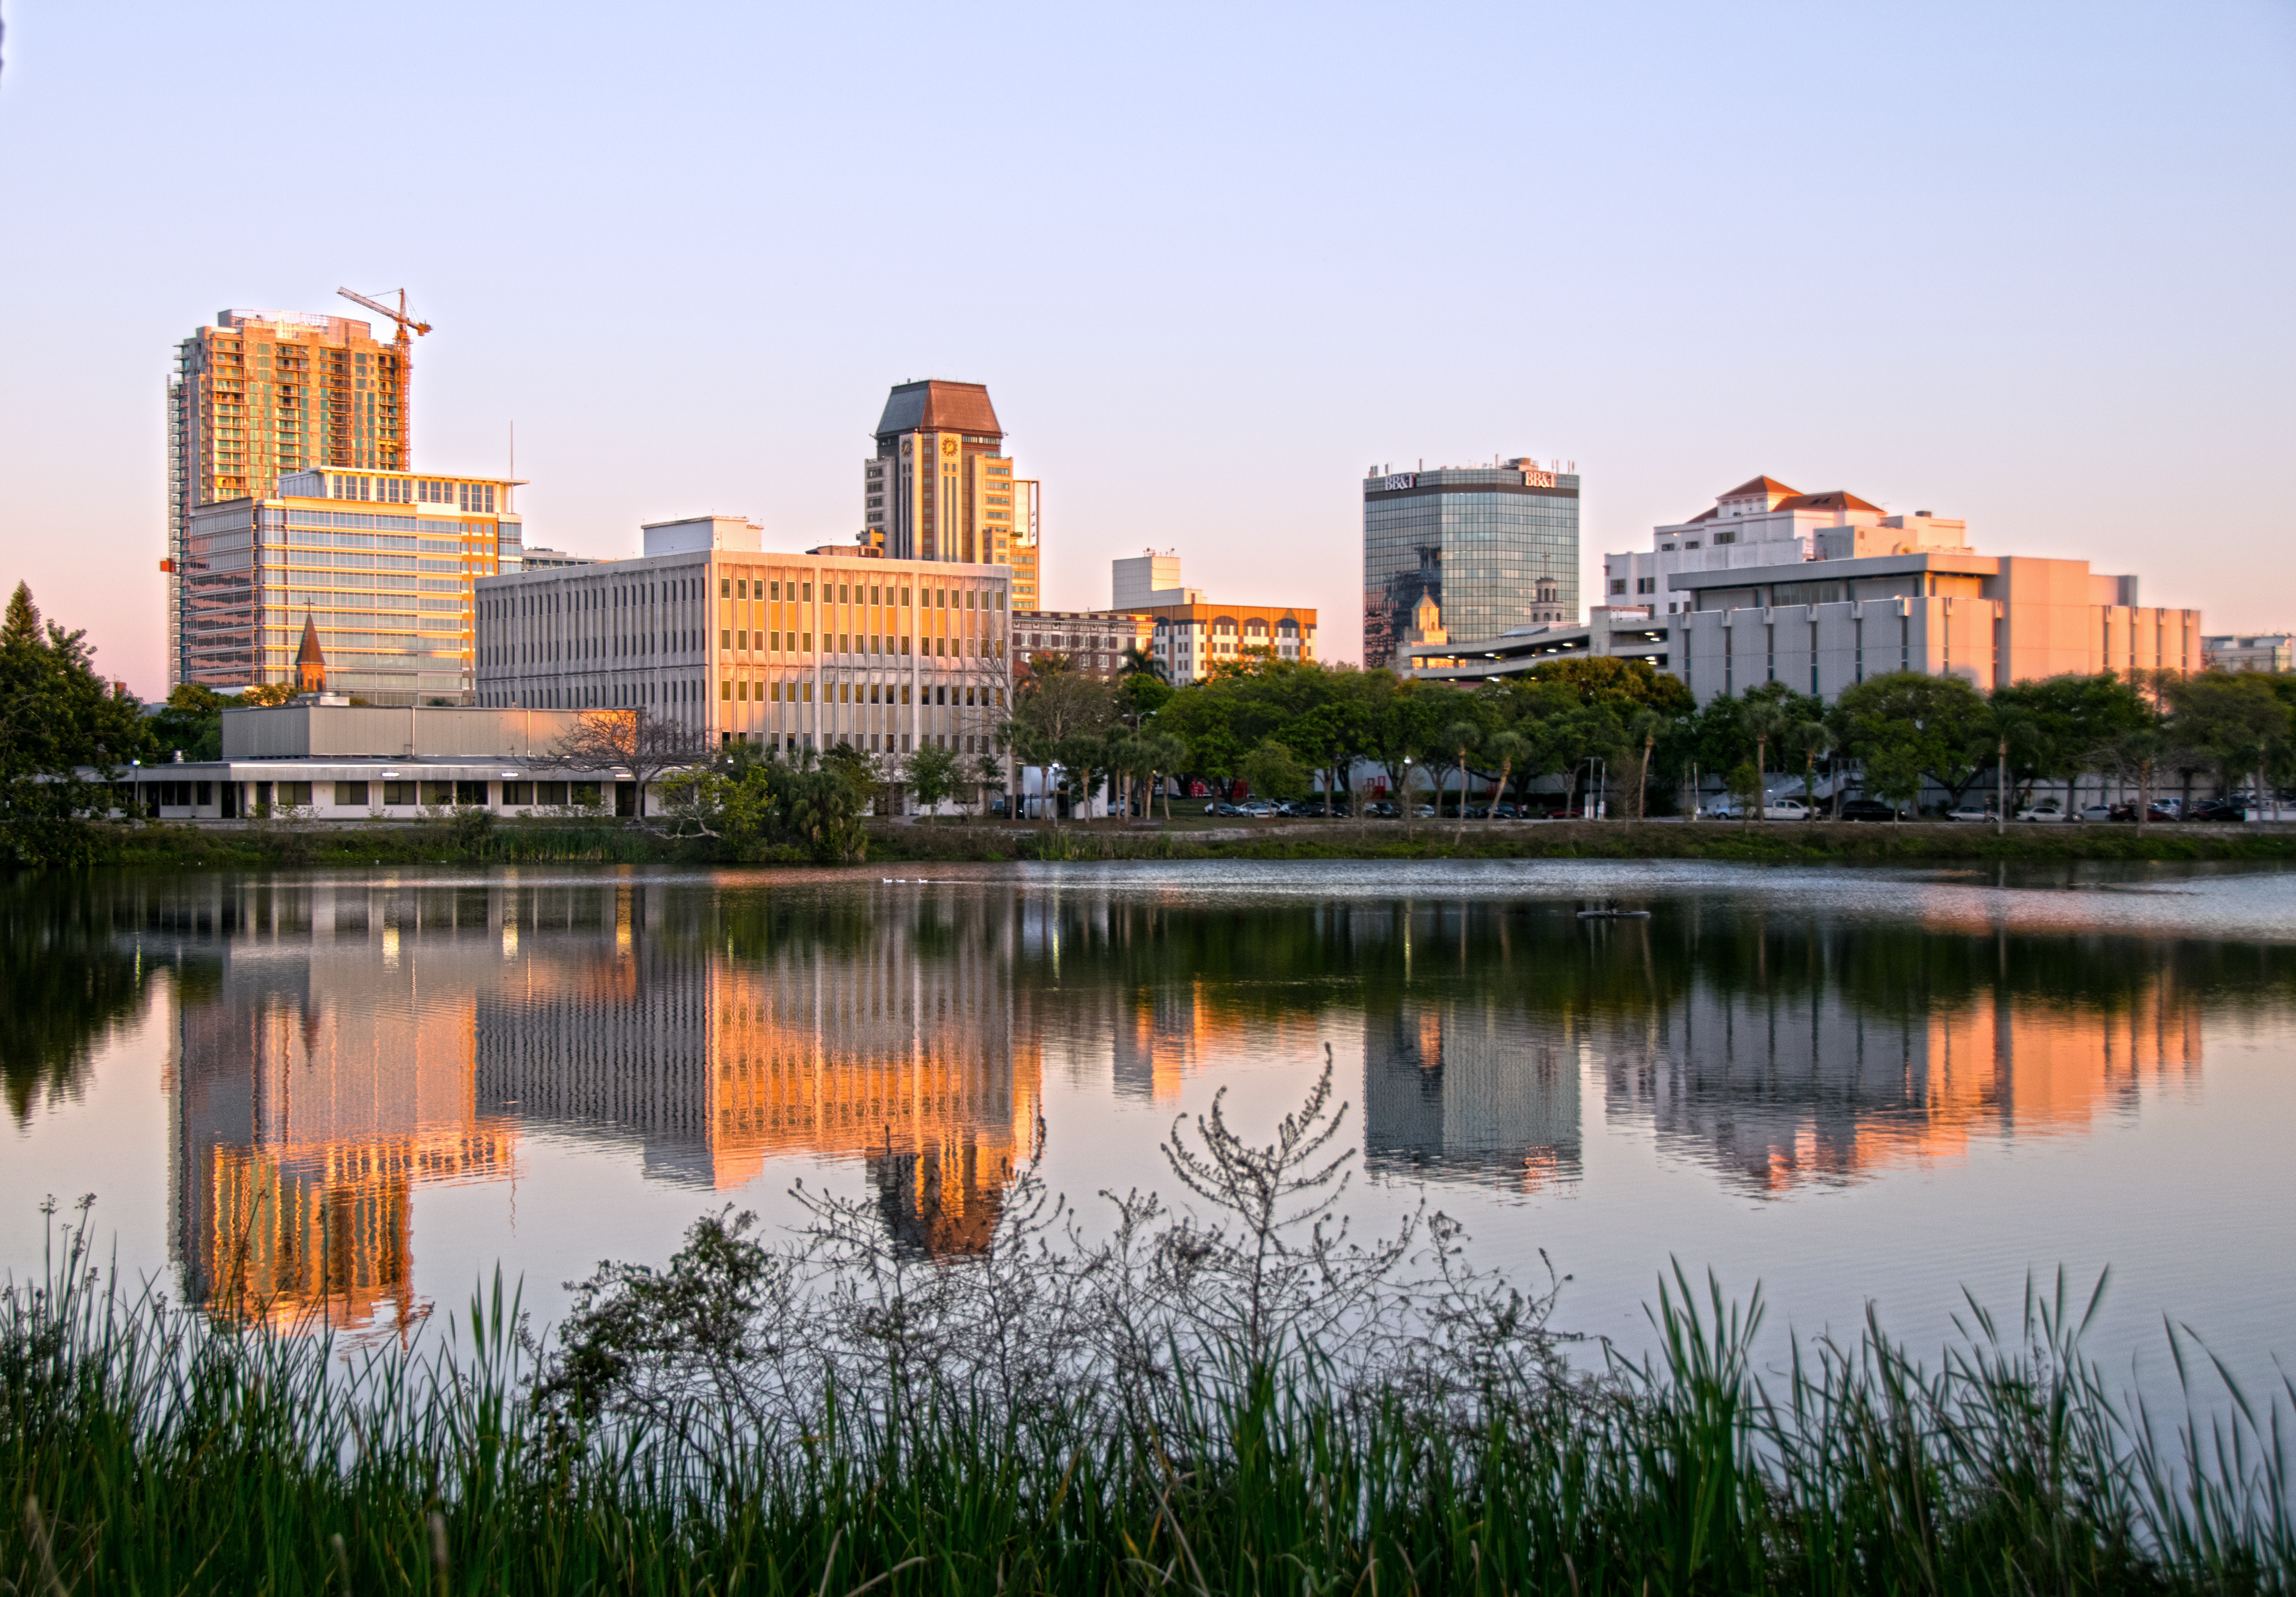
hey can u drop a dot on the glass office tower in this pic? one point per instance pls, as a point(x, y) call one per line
point(1496, 547)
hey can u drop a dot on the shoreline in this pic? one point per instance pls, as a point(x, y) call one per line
point(179, 844)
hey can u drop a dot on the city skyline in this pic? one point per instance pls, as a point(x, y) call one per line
point(1953, 308)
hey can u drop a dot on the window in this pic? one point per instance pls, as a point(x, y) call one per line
point(1618, 584)
point(1725, 537)
point(1645, 584)
point(518, 792)
point(399, 792)
point(549, 792)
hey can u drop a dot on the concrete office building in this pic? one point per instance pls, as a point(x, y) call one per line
point(381, 564)
point(267, 392)
point(1821, 592)
point(2265, 652)
point(784, 650)
point(1496, 548)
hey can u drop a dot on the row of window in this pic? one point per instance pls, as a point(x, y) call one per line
point(741, 689)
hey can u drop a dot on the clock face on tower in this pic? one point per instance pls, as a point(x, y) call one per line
point(949, 445)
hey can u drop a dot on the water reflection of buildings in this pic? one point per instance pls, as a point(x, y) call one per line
point(1833, 1054)
point(1465, 1088)
point(358, 1042)
point(897, 1048)
point(325, 1076)
point(1777, 1090)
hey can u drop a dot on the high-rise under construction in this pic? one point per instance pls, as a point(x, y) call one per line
point(266, 392)
point(940, 487)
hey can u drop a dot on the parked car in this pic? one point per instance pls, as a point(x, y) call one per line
point(2217, 809)
point(1259, 810)
point(1383, 810)
point(1867, 809)
point(2047, 809)
point(1968, 812)
point(1785, 809)
point(2098, 812)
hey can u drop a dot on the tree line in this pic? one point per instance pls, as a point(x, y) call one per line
point(1289, 729)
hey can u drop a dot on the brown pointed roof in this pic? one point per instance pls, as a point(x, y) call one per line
point(1833, 499)
point(309, 654)
point(1757, 485)
point(935, 405)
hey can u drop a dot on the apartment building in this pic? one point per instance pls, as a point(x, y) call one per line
point(263, 393)
point(379, 564)
point(1495, 546)
point(787, 651)
point(1091, 641)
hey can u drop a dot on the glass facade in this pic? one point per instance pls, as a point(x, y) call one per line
point(389, 593)
point(1496, 548)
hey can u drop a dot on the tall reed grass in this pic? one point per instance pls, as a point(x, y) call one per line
point(1262, 1407)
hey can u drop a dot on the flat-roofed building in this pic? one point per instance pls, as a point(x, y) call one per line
point(788, 651)
point(2255, 651)
point(1495, 546)
point(379, 564)
point(1823, 591)
point(1091, 641)
point(1190, 635)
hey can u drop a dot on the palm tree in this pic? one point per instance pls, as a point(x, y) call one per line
point(1137, 661)
point(1510, 748)
point(1461, 736)
point(1813, 738)
point(1765, 721)
point(1642, 732)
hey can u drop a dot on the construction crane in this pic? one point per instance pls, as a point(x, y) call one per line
point(402, 347)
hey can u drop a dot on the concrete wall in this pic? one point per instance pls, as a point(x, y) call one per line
point(335, 731)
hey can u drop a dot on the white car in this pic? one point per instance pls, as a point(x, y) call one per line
point(1968, 812)
point(2096, 812)
point(1785, 809)
point(2047, 809)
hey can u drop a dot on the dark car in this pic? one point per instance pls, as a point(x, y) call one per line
point(2217, 809)
point(1866, 809)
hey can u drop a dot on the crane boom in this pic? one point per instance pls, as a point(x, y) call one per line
point(399, 315)
point(403, 350)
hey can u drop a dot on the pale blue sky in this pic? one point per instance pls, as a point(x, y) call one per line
point(2025, 263)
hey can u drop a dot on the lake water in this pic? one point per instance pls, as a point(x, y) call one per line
point(354, 1094)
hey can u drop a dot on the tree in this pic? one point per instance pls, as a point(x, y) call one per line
point(932, 773)
point(1137, 661)
point(1643, 730)
point(1579, 734)
point(1509, 749)
point(264, 694)
point(989, 770)
point(1812, 738)
point(1163, 754)
point(1745, 784)
point(646, 745)
point(767, 807)
point(1272, 771)
point(56, 717)
point(1458, 737)
point(191, 723)
point(1895, 773)
point(1053, 706)
point(2234, 719)
point(1766, 722)
point(1937, 721)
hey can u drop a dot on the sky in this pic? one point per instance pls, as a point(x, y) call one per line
point(2028, 264)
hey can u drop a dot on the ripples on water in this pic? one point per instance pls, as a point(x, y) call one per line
point(335, 1046)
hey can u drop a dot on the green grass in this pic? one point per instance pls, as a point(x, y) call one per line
point(159, 846)
point(144, 1451)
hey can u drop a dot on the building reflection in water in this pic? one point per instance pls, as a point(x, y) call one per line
point(719, 1046)
point(1775, 1052)
point(355, 1041)
point(323, 1075)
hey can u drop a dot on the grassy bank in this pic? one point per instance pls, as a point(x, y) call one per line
point(141, 1451)
point(175, 846)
